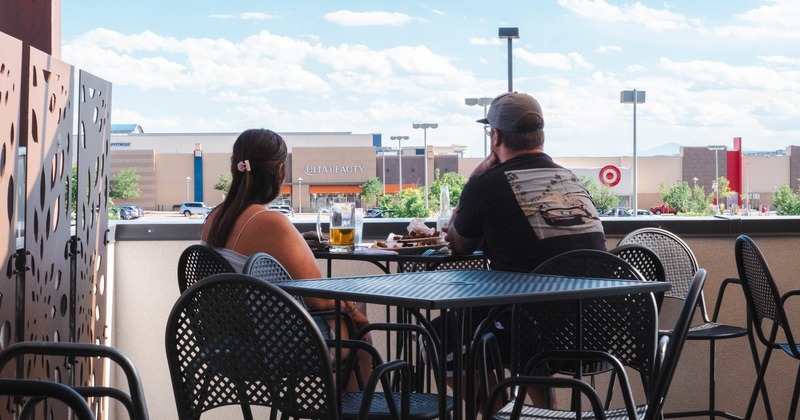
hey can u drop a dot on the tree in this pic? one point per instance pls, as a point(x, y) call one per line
point(700, 204)
point(678, 195)
point(602, 196)
point(455, 183)
point(371, 189)
point(124, 185)
point(409, 203)
point(223, 183)
point(786, 201)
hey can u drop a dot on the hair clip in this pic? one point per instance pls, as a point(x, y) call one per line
point(243, 166)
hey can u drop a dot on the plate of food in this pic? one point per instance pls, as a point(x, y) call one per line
point(408, 250)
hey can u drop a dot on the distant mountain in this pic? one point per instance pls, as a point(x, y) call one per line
point(669, 149)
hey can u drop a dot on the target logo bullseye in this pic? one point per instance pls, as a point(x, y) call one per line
point(610, 175)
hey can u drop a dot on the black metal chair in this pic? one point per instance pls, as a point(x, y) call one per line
point(646, 261)
point(767, 316)
point(233, 339)
point(622, 348)
point(133, 401)
point(581, 262)
point(38, 390)
point(198, 262)
point(680, 265)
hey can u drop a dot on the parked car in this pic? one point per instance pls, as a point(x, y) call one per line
point(189, 208)
point(124, 212)
point(617, 212)
point(643, 212)
point(283, 208)
point(378, 213)
point(663, 208)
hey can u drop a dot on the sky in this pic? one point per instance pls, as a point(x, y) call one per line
point(711, 70)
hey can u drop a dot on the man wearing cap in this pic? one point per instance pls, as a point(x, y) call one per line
point(518, 204)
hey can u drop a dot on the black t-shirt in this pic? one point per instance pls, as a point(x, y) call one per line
point(527, 210)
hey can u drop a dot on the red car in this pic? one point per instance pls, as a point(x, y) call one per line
point(664, 208)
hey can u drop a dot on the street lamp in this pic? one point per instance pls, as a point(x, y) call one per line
point(484, 102)
point(188, 188)
point(695, 181)
point(716, 148)
point(425, 127)
point(633, 97)
point(400, 158)
point(747, 187)
point(299, 195)
point(509, 34)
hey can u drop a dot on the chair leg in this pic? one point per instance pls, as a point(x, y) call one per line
point(758, 385)
point(712, 377)
point(754, 353)
point(793, 409)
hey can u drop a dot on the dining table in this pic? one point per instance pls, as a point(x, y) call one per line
point(405, 259)
point(459, 291)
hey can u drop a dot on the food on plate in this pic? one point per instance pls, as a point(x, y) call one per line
point(419, 235)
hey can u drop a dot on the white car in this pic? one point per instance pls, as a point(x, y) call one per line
point(189, 208)
point(283, 208)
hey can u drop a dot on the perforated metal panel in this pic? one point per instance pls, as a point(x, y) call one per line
point(10, 88)
point(46, 290)
point(90, 298)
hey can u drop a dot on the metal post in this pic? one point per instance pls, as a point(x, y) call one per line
point(300, 195)
point(635, 195)
point(425, 162)
point(383, 153)
point(188, 188)
point(510, 83)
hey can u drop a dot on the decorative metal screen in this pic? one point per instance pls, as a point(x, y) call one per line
point(10, 88)
point(47, 295)
point(94, 138)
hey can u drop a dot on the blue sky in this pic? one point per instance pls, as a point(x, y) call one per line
point(712, 70)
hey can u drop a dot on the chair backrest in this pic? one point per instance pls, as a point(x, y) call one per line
point(761, 293)
point(658, 393)
point(646, 261)
point(266, 267)
point(198, 262)
point(408, 267)
point(624, 326)
point(677, 258)
point(133, 401)
point(37, 388)
point(235, 339)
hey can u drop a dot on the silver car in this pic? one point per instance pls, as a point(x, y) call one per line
point(189, 208)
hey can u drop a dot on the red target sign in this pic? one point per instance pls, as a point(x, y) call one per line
point(610, 175)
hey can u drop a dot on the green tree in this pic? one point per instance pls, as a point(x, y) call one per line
point(371, 189)
point(455, 183)
point(124, 185)
point(601, 194)
point(700, 203)
point(786, 201)
point(409, 203)
point(678, 195)
point(223, 183)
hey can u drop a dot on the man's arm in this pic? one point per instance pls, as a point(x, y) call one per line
point(457, 243)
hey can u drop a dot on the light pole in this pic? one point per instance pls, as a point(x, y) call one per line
point(716, 148)
point(747, 187)
point(634, 97)
point(509, 34)
point(484, 102)
point(425, 127)
point(188, 188)
point(400, 159)
point(695, 181)
point(299, 195)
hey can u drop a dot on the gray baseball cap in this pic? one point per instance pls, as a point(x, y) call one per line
point(508, 109)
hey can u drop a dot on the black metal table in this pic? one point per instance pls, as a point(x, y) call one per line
point(459, 290)
point(425, 262)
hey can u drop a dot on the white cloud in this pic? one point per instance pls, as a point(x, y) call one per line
point(350, 18)
point(558, 61)
point(779, 59)
point(776, 20)
point(635, 68)
point(718, 75)
point(654, 19)
point(484, 41)
point(608, 49)
point(222, 16)
point(256, 16)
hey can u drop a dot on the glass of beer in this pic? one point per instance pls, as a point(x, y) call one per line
point(342, 226)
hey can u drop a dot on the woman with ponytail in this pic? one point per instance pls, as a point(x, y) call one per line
point(242, 225)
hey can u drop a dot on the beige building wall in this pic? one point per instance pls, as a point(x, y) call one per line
point(171, 185)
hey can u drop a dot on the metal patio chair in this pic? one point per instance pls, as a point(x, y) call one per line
point(199, 261)
point(39, 389)
point(767, 316)
point(233, 339)
point(619, 349)
point(680, 265)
